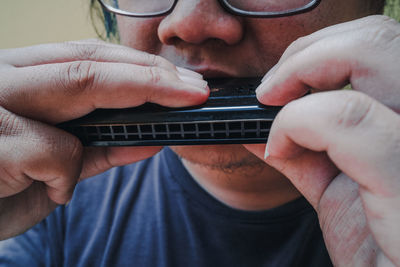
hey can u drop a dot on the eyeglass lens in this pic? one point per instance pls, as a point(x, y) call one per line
point(144, 6)
point(268, 5)
point(155, 6)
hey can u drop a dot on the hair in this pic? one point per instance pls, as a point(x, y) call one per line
point(105, 23)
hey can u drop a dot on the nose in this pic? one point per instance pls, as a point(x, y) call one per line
point(196, 21)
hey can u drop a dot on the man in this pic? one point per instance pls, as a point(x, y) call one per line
point(209, 205)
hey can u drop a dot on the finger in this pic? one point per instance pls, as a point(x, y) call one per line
point(325, 71)
point(80, 51)
point(330, 59)
point(360, 136)
point(99, 159)
point(31, 151)
point(23, 210)
point(334, 30)
point(310, 172)
point(342, 219)
point(69, 90)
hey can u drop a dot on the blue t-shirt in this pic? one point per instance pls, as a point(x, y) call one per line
point(152, 213)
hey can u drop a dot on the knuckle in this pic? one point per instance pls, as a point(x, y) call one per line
point(78, 77)
point(153, 59)
point(84, 51)
point(156, 60)
point(154, 75)
point(63, 151)
point(385, 29)
point(379, 19)
point(354, 110)
point(75, 149)
point(69, 145)
point(10, 125)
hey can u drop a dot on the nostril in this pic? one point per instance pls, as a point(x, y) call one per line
point(200, 24)
point(173, 40)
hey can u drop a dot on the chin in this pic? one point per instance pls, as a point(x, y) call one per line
point(226, 157)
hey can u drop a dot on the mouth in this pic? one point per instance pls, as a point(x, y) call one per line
point(209, 72)
point(213, 72)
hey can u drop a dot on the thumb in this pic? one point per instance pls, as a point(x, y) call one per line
point(310, 172)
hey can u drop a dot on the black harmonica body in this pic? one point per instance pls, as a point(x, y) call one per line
point(231, 115)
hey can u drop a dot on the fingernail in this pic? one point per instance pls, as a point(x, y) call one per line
point(190, 73)
point(266, 77)
point(265, 81)
point(263, 87)
point(269, 73)
point(200, 83)
point(266, 153)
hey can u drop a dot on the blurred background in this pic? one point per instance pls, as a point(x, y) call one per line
point(27, 22)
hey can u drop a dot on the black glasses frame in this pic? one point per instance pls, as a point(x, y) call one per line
point(224, 3)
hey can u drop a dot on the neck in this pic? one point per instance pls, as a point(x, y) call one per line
point(252, 188)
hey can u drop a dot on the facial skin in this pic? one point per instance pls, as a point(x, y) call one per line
point(200, 35)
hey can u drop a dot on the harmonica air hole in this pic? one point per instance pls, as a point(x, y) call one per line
point(231, 115)
point(230, 131)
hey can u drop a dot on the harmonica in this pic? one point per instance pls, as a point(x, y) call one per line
point(231, 115)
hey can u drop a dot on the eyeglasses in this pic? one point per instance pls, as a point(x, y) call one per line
point(247, 8)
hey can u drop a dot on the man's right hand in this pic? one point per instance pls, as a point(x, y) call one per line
point(48, 84)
